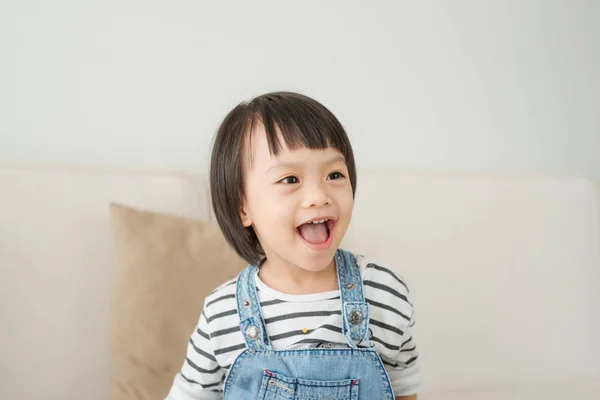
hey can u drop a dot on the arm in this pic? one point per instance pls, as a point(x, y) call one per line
point(393, 305)
point(404, 369)
point(201, 375)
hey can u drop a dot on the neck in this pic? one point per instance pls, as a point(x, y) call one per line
point(291, 279)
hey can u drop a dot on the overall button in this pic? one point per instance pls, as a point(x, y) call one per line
point(356, 317)
point(246, 303)
point(350, 286)
point(252, 332)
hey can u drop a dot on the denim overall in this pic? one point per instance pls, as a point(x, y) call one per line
point(349, 373)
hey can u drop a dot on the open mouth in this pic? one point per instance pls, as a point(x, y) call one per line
point(317, 233)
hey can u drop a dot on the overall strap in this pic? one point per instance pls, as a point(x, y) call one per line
point(355, 311)
point(252, 323)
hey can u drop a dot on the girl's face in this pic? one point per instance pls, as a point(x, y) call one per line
point(299, 203)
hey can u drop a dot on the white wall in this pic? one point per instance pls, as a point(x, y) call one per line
point(461, 85)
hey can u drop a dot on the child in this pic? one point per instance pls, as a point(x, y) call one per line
point(305, 320)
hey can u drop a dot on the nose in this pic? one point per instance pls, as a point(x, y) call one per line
point(316, 195)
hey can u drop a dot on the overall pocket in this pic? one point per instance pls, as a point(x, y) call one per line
point(277, 386)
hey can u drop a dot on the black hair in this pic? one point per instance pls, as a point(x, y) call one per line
point(300, 120)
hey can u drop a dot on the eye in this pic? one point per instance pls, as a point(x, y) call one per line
point(334, 176)
point(290, 180)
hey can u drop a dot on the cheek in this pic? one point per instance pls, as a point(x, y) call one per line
point(270, 209)
point(345, 199)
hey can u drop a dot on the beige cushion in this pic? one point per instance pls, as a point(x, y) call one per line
point(166, 265)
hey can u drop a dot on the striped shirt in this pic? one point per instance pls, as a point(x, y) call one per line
point(298, 322)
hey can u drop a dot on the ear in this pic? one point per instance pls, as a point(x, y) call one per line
point(245, 215)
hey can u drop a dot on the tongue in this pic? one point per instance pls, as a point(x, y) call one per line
point(313, 233)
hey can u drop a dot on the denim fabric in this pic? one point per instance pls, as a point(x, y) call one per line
point(351, 373)
point(353, 299)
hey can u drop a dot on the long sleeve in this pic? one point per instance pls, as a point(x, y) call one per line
point(201, 376)
point(392, 318)
point(403, 369)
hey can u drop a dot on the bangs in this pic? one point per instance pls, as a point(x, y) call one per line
point(297, 119)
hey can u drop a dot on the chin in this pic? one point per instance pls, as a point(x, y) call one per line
point(317, 261)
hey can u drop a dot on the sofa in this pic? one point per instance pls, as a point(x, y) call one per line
point(504, 271)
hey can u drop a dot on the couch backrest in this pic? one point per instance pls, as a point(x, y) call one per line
point(504, 272)
point(56, 268)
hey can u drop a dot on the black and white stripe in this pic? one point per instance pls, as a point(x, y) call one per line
point(293, 323)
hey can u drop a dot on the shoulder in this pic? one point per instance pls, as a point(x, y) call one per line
point(376, 272)
point(225, 287)
point(221, 299)
point(385, 287)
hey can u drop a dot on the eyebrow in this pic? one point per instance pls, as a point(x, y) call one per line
point(332, 160)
